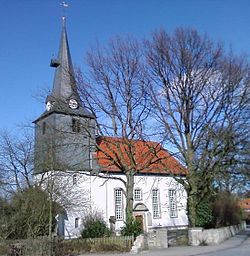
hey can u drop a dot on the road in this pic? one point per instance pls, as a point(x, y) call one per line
point(242, 250)
point(235, 246)
point(238, 245)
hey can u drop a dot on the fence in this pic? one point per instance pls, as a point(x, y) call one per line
point(41, 247)
point(116, 243)
point(34, 247)
point(121, 240)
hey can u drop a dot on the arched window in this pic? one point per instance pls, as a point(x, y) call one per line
point(76, 222)
point(74, 179)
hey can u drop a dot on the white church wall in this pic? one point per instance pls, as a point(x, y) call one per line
point(103, 199)
point(72, 192)
point(84, 194)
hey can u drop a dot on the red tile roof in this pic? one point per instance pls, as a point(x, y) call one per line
point(245, 204)
point(145, 157)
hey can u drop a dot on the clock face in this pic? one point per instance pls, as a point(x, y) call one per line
point(48, 106)
point(73, 104)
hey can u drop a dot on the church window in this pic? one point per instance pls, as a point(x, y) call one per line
point(118, 204)
point(172, 203)
point(90, 159)
point(76, 222)
point(156, 203)
point(138, 194)
point(74, 179)
point(76, 125)
point(44, 127)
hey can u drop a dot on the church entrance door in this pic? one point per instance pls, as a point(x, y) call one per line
point(139, 218)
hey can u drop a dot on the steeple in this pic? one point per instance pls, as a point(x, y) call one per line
point(64, 86)
point(64, 97)
point(66, 129)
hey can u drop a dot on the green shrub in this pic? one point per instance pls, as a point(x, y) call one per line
point(132, 227)
point(94, 226)
point(204, 214)
point(26, 214)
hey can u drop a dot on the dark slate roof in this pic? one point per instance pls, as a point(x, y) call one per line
point(63, 108)
point(64, 85)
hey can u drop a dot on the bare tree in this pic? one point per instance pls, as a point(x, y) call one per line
point(198, 94)
point(116, 90)
point(16, 162)
point(17, 176)
point(233, 175)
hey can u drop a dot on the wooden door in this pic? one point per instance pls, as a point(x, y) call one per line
point(139, 218)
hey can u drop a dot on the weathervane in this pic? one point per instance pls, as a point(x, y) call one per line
point(54, 63)
point(64, 6)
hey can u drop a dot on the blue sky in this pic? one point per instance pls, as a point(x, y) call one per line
point(30, 33)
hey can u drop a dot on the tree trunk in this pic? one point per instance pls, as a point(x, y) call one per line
point(129, 196)
point(191, 208)
point(192, 182)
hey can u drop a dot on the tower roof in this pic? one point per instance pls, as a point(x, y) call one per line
point(64, 85)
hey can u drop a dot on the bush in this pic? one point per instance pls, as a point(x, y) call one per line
point(204, 214)
point(81, 246)
point(112, 247)
point(26, 214)
point(94, 226)
point(132, 227)
point(71, 247)
point(226, 210)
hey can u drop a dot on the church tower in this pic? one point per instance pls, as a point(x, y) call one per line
point(65, 132)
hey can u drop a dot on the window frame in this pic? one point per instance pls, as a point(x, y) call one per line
point(156, 208)
point(74, 179)
point(172, 195)
point(44, 126)
point(77, 222)
point(118, 204)
point(76, 125)
point(140, 194)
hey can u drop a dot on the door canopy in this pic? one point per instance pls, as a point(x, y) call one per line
point(140, 207)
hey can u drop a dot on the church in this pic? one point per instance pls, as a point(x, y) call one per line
point(81, 168)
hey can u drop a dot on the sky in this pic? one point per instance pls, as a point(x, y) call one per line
point(30, 33)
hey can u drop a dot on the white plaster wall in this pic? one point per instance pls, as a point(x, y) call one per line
point(102, 198)
point(74, 198)
point(97, 194)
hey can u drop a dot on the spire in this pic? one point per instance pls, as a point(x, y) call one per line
point(64, 97)
point(64, 85)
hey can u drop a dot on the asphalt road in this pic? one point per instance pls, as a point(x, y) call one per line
point(238, 245)
point(242, 250)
